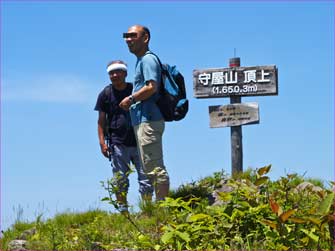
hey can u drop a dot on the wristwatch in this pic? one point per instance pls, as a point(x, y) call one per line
point(132, 99)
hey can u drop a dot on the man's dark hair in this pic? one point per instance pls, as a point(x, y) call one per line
point(116, 62)
point(147, 31)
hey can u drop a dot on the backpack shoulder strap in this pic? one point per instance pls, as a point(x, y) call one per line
point(109, 98)
point(161, 89)
point(159, 61)
point(108, 90)
point(109, 94)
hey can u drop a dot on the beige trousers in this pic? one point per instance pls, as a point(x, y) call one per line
point(149, 142)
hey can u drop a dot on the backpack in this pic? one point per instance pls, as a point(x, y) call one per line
point(172, 101)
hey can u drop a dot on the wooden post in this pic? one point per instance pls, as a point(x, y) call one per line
point(236, 132)
point(235, 82)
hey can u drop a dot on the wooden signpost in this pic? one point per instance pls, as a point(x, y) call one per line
point(235, 82)
point(233, 115)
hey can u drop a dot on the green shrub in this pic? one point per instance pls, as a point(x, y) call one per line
point(257, 214)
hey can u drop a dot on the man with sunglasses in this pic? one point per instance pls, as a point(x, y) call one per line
point(114, 124)
point(146, 117)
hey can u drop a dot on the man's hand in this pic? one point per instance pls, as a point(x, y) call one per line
point(104, 150)
point(144, 93)
point(125, 103)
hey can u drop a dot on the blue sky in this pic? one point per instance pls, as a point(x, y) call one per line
point(53, 58)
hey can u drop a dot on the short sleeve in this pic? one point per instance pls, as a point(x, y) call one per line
point(151, 69)
point(101, 103)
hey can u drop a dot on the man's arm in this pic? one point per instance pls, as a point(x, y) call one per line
point(144, 93)
point(101, 136)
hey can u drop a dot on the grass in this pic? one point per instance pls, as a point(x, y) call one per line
point(185, 219)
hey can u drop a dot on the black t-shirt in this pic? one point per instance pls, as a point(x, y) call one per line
point(120, 127)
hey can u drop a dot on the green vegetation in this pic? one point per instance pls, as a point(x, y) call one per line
point(254, 213)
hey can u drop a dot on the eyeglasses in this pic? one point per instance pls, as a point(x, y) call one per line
point(130, 35)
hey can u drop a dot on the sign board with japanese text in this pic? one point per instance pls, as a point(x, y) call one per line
point(236, 81)
point(233, 114)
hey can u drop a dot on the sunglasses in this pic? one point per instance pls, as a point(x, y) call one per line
point(130, 35)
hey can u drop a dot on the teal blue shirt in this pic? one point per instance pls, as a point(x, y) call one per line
point(147, 68)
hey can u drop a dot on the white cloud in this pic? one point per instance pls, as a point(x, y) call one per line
point(55, 89)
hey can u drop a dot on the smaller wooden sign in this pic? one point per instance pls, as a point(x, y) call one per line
point(233, 114)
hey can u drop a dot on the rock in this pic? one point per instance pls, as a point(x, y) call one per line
point(304, 186)
point(97, 246)
point(27, 233)
point(223, 189)
point(17, 245)
point(226, 188)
